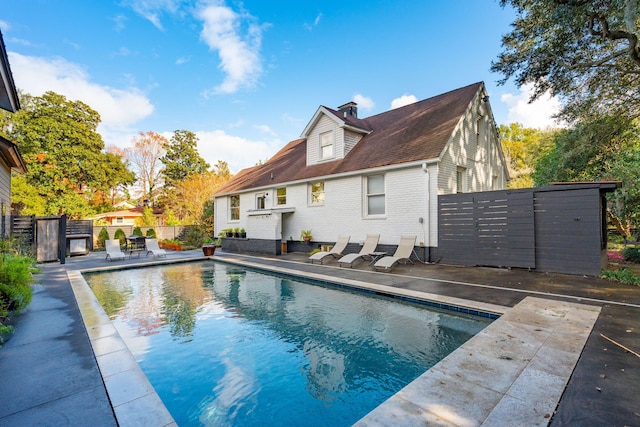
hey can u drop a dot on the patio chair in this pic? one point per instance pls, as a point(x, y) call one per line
point(402, 254)
point(370, 244)
point(113, 250)
point(335, 252)
point(154, 249)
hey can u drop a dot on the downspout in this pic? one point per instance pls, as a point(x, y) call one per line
point(425, 219)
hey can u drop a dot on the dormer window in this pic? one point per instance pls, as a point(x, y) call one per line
point(327, 142)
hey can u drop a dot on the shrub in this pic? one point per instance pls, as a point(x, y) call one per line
point(631, 254)
point(194, 236)
point(16, 275)
point(102, 236)
point(624, 276)
point(151, 233)
point(137, 231)
point(119, 234)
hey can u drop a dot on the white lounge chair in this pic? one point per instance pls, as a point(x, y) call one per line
point(113, 250)
point(370, 244)
point(335, 252)
point(154, 249)
point(402, 254)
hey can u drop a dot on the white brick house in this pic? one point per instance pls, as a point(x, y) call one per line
point(380, 174)
point(10, 158)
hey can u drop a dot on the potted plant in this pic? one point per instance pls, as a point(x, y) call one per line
point(228, 232)
point(305, 236)
point(243, 233)
point(208, 247)
point(236, 232)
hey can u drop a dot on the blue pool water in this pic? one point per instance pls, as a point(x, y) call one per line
point(224, 345)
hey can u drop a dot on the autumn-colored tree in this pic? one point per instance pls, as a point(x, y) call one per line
point(144, 157)
point(190, 195)
point(522, 147)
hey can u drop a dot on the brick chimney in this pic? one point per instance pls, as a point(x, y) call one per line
point(350, 109)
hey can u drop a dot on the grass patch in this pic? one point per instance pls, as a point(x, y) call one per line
point(624, 276)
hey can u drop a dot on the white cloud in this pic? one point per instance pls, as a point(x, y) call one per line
point(218, 145)
point(310, 27)
point(265, 129)
point(152, 9)
point(239, 54)
point(119, 109)
point(535, 115)
point(4, 25)
point(403, 100)
point(363, 102)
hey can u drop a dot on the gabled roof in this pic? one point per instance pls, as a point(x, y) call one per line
point(8, 93)
point(415, 132)
point(11, 155)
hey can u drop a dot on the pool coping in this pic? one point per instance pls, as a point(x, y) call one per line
point(547, 322)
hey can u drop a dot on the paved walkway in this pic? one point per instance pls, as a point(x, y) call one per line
point(50, 374)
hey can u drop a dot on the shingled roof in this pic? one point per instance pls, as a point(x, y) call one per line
point(415, 132)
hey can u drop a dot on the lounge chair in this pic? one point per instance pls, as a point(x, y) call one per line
point(154, 249)
point(113, 250)
point(402, 254)
point(370, 244)
point(335, 252)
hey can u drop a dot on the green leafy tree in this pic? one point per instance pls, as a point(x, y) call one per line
point(64, 154)
point(119, 234)
point(607, 148)
point(182, 158)
point(585, 52)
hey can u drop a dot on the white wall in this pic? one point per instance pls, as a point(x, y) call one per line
point(343, 210)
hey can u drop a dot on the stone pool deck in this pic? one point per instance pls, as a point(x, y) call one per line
point(50, 372)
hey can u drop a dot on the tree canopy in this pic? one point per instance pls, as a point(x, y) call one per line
point(584, 51)
point(64, 154)
point(182, 158)
point(144, 156)
point(607, 148)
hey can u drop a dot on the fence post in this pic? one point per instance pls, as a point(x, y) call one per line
point(62, 239)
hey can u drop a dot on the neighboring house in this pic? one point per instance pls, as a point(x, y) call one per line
point(127, 216)
point(380, 174)
point(10, 158)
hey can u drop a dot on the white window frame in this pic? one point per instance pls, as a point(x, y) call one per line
point(261, 201)
point(233, 208)
point(317, 197)
point(281, 199)
point(327, 141)
point(369, 194)
point(119, 220)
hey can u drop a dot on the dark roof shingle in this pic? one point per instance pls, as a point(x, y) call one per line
point(415, 132)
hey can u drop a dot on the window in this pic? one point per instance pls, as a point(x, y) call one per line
point(326, 145)
point(460, 180)
point(317, 193)
point(234, 207)
point(281, 196)
point(261, 200)
point(119, 220)
point(375, 195)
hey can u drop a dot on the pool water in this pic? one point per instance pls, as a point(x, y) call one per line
point(224, 345)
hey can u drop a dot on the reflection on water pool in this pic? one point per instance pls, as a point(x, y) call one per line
point(224, 345)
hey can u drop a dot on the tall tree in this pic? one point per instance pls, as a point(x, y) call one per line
point(182, 158)
point(119, 177)
point(585, 52)
point(63, 152)
point(607, 148)
point(144, 156)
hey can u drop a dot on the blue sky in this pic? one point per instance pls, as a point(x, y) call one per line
point(248, 76)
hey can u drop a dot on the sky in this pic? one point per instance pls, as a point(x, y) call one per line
point(247, 76)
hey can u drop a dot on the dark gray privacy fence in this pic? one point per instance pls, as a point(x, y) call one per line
point(557, 228)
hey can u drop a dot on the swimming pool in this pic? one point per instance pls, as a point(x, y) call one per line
point(224, 345)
